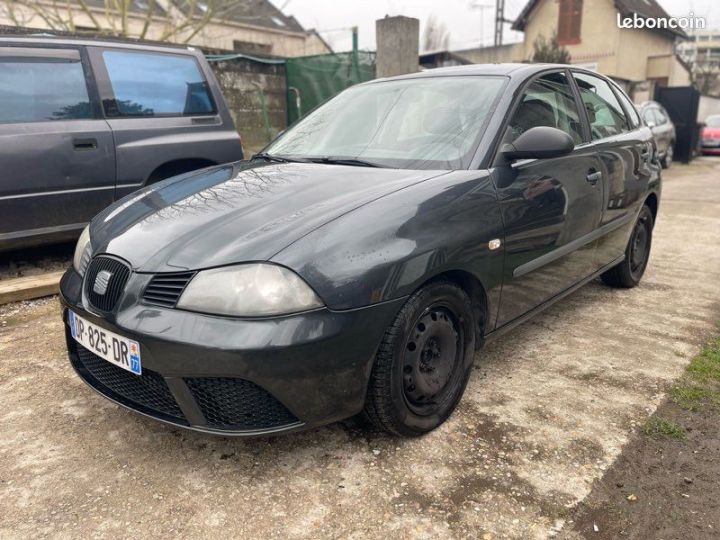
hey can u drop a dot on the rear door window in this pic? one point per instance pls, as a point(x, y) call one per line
point(155, 84)
point(606, 115)
point(40, 87)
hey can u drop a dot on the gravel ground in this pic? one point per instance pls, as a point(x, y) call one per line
point(547, 411)
point(35, 261)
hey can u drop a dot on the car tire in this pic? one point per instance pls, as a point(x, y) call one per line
point(668, 159)
point(423, 363)
point(628, 273)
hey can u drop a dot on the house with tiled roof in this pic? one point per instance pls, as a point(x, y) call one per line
point(638, 58)
point(247, 26)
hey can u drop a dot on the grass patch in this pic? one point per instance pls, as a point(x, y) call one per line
point(701, 383)
point(705, 367)
point(660, 427)
point(688, 395)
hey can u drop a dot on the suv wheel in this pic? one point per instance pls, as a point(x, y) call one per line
point(423, 362)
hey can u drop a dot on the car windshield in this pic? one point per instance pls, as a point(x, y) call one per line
point(420, 123)
point(713, 121)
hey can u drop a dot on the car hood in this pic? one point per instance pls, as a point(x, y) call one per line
point(234, 213)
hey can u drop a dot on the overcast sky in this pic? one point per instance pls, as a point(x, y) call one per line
point(469, 24)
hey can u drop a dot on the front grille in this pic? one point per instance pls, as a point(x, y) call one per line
point(119, 274)
point(165, 289)
point(149, 390)
point(229, 403)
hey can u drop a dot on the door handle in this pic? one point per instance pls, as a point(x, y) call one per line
point(593, 177)
point(84, 144)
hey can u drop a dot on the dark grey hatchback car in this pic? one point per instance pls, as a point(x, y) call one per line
point(85, 122)
point(358, 263)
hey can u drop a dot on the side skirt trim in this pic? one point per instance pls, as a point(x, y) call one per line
point(572, 246)
point(537, 309)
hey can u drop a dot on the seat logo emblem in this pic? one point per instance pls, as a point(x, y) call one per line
point(102, 281)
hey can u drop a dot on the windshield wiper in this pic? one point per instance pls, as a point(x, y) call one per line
point(279, 159)
point(345, 161)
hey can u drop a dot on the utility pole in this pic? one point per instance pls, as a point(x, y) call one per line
point(500, 21)
point(499, 16)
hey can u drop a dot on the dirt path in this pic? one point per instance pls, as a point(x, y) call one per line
point(663, 485)
point(547, 411)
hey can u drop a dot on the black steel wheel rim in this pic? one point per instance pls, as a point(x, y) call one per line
point(639, 246)
point(432, 360)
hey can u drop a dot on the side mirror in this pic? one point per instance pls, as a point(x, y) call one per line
point(651, 125)
point(539, 143)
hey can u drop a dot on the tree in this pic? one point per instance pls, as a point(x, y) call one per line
point(161, 20)
point(436, 35)
point(705, 77)
point(549, 51)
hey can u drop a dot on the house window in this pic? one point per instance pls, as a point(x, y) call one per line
point(569, 22)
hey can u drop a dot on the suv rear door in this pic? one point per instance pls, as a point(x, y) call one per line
point(57, 157)
point(164, 108)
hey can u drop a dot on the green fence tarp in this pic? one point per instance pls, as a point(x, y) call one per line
point(313, 79)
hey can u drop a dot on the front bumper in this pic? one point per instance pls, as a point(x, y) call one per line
point(232, 376)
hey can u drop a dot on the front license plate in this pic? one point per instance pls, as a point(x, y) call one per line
point(122, 352)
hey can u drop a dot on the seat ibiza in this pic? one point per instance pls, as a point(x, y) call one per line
point(357, 264)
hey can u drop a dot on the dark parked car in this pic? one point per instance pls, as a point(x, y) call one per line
point(663, 130)
point(360, 261)
point(711, 135)
point(83, 123)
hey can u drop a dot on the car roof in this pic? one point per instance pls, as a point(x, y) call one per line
point(48, 39)
point(512, 70)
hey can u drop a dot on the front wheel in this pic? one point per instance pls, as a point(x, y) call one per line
point(628, 273)
point(423, 362)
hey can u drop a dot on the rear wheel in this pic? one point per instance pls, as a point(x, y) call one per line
point(629, 272)
point(423, 363)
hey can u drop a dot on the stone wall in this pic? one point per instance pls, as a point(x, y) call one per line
point(244, 83)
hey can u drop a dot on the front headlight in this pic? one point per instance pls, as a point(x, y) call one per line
point(248, 290)
point(83, 250)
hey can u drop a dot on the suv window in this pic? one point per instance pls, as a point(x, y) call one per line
point(155, 84)
point(548, 101)
point(649, 116)
point(604, 111)
point(34, 89)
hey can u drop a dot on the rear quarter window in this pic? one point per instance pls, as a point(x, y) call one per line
point(630, 109)
point(155, 84)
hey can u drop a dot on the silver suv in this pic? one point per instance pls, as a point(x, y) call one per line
point(658, 120)
point(85, 122)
